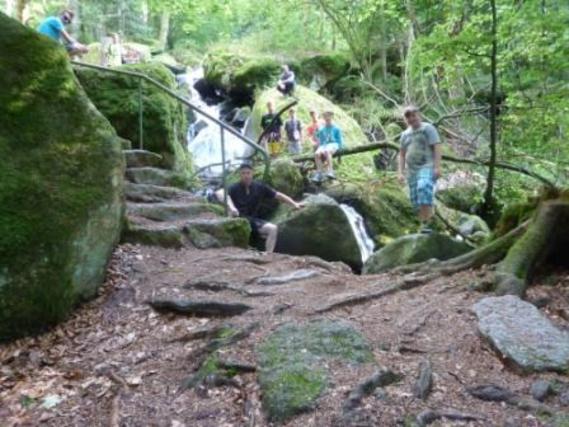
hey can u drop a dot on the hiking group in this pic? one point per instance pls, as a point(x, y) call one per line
point(419, 156)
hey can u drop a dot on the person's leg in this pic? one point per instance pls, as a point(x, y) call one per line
point(269, 232)
point(425, 196)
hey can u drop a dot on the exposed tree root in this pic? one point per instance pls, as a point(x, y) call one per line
point(424, 383)
point(429, 416)
point(407, 283)
point(544, 235)
point(494, 393)
point(220, 286)
point(380, 378)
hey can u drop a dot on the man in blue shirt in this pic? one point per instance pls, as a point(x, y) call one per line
point(330, 140)
point(54, 28)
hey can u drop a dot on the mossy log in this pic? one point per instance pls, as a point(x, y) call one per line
point(545, 234)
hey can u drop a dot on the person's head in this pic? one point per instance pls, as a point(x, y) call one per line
point(313, 115)
point(412, 116)
point(292, 113)
point(246, 173)
point(270, 106)
point(285, 68)
point(328, 117)
point(115, 37)
point(67, 16)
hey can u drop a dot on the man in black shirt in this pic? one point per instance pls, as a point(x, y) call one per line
point(245, 198)
point(272, 130)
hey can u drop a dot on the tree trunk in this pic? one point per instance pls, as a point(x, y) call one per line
point(546, 235)
point(489, 202)
point(20, 9)
point(164, 29)
point(383, 47)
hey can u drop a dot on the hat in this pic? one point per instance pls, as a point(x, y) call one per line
point(245, 166)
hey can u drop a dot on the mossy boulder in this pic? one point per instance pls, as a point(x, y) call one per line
point(292, 363)
point(308, 100)
point(465, 198)
point(95, 54)
point(61, 170)
point(164, 121)
point(321, 228)
point(412, 249)
point(285, 177)
point(239, 76)
point(322, 71)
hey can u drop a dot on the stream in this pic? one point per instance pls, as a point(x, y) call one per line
point(204, 142)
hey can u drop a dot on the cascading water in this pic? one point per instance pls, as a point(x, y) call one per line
point(204, 136)
point(365, 242)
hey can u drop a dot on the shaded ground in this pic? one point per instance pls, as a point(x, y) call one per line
point(118, 362)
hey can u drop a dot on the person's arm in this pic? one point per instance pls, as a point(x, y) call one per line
point(285, 199)
point(67, 37)
point(435, 142)
point(339, 138)
point(219, 194)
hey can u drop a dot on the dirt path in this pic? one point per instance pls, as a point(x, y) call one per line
point(118, 362)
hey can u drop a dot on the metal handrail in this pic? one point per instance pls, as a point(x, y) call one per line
point(223, 126)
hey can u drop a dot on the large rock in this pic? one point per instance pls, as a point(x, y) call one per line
point(322, 229)
point(323, 70)
point(293, 363)
point(164, 124)
point(308, 100)
point(522, 334)
point(285, 177)
point(61, 171)
point(239, 76)
point(412, 249)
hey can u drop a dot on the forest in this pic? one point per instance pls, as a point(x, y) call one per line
point(180, 246)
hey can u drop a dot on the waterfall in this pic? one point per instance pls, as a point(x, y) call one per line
point(365, 242)
point(204, 136)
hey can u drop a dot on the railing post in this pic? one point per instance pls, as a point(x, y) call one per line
point(140, 116)
point(223, 170)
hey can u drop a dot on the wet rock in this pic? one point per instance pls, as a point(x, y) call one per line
point(541, 389)
point(285, 177)
point(522, 334)
point(321, 228)
point(491, 393)
point(413, 249)
point(291, 361)
point(171, 211)
point(155, 176)
point(142, 158)
point(148, 193)
point(200, 308)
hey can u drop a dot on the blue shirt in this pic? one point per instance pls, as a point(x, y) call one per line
point(330, 135)
point(52, 27)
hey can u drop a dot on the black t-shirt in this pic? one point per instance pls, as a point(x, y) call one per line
point(266, 121)
point(249, 202)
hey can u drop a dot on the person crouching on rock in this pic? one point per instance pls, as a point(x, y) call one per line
point(287, 81)
point(420, 164)
point(244, 199)
point(54, 28)
point(329, 141)
point(272, 124)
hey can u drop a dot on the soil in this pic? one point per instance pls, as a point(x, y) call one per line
point(118, 362)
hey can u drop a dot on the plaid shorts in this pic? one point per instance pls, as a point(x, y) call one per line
point(422, 187)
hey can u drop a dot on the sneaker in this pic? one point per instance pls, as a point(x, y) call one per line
point(317, 177)
point(331, 175)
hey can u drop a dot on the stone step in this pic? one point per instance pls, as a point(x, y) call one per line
point(153, 176)
point(203, 233)
point(164, 212)
point(148, 193)
point(142, 158)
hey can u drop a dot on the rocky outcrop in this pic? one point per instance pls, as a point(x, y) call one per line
point(61, 170)
point(164, 121)
point(322, 71)
point(308, 100)
point(412, 249)
point(292, 363)
point(522, 334)
point(322, 229)
point(285, 177)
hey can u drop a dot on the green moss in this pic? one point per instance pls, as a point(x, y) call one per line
point(513, 215)
point(464, 198)
point(285, 177)
point(324, 69)
point(164, 120)
point(61, 173)
point(292, 375)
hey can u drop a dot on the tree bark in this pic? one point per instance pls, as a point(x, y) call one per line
point(164, 29)
point(489, 203)
point(20, 9)
point(9, 7)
